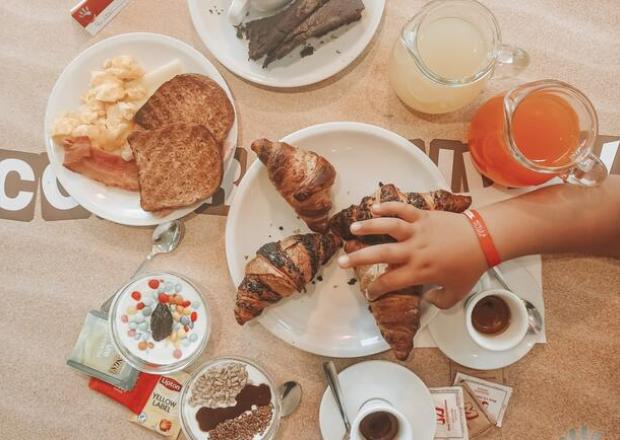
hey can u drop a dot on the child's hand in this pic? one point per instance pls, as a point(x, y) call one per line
point(433, 247)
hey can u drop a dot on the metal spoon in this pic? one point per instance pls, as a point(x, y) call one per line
point(334, 385)
point(166, 238)
point(533, 315)
point(290, 396)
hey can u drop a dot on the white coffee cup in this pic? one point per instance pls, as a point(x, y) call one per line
point(517, 327)
point(238, 8)
point(380, 405)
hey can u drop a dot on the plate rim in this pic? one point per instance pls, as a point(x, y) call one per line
point(274, 327)
point(369, 363)
point(303, 81)
point(50, 145)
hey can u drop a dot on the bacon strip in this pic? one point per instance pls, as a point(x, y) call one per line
point(109, 169)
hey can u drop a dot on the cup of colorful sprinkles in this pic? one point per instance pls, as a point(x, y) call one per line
point(230, 398)
point(159, 322)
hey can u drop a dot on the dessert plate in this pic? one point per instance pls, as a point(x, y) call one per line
point(332, 317)
point(449, 332)
point(151, 51)
point(384, 380)
point(339, 48)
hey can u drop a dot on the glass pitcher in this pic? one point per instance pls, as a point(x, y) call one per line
point(446, 54)
point(534, 132)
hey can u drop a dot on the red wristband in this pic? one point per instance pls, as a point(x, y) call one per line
point(484, 237)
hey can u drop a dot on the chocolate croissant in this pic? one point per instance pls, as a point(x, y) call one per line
point(281, 268)
point(302, 177)
point(442, 200)
point(397, 314)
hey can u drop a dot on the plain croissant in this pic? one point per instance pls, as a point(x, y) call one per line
point(442, 200)
point(302, 177)
point(397, 314)
point(281, 268)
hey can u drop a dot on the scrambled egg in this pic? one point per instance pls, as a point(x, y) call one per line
point(108, 106)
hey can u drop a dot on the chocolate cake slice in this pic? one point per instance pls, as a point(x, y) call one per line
point(330, 16)
point(267, 33)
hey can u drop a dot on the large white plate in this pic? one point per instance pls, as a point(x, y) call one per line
point(384, 380)
point(339, 48)
point(448, 327)
point(332, 318)
point(151, 51)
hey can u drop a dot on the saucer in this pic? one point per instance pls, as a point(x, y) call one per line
point(385, 380)
point(449, 331)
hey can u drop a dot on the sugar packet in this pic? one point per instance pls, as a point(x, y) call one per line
point(478, 421)
point(95, 355)
point(93, 15)
point(497, 376)
point(493, 397)
point(161, 411)
point(450, 412)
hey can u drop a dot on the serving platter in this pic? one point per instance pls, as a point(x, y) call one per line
point(334, 52)
point(150, 51)
point(332, 317)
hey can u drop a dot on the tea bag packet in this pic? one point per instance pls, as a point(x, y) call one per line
point(497, 376)
point(477, 420)
point(135, 399)
point(493, 397)
point(161, 412)
point(450, 411)
point(95, 355)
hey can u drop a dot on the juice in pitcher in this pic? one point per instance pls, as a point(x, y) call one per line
point(536, 132)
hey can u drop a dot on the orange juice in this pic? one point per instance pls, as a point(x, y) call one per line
point(544, 127)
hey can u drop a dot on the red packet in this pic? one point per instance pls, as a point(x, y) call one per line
point(134, 399)
point(93, 15)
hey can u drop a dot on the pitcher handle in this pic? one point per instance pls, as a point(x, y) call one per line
point(589, 172)
point(237, 11)
point(511, 61)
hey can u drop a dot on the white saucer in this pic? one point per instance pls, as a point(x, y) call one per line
point(386, 380)
point(449, 332)
point(334, 51)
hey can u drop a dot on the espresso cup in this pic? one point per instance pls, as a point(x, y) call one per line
point(405, 431)
point(517, 326)
point(239, 8)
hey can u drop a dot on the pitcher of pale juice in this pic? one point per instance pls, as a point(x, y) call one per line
point(446, 54)
point(535, 132)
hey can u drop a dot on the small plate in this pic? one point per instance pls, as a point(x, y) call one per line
point(339, 48)
point(332, 317)
point(385, 380)
point(151, 51)
point(449, 332)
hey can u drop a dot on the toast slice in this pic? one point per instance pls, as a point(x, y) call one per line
point(191, 99)
point(178, 165)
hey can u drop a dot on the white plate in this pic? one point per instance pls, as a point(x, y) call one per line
point(151, 51)
point(385, 380)
point(449, 332)
point(332, 318)
point(329, 58)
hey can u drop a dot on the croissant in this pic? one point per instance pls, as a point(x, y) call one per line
point(442, 200)
point(281, 268)
point(397, 314)
point(302, 177)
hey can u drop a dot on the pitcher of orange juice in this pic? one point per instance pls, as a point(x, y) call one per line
point(535, 132)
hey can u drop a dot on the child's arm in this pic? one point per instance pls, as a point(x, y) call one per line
point(441, 248)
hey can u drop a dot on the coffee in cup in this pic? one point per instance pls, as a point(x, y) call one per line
point(496, 319)
point(377, 419)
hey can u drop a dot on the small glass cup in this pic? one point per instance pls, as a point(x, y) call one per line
point(498, 155)
point(188, 413)
point(119, 322)
point(446, 54)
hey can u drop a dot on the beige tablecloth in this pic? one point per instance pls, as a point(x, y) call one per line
point(53, 272)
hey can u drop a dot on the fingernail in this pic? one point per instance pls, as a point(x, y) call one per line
point(356, 227)
point(344, 261)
